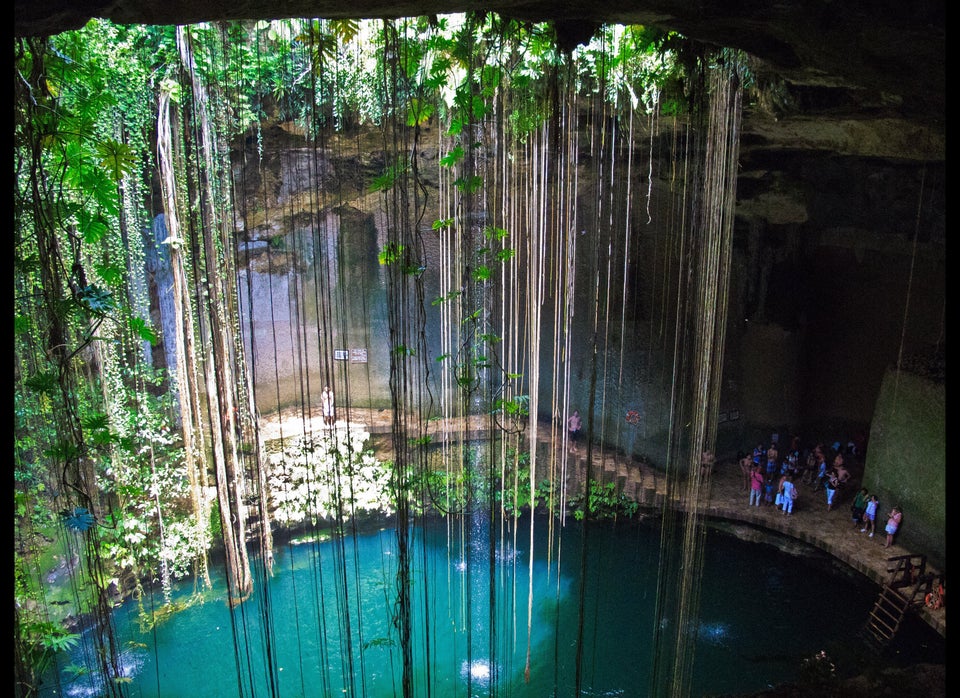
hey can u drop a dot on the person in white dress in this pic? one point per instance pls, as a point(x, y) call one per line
point(326, 405)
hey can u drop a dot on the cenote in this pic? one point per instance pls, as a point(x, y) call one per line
point(323, 620)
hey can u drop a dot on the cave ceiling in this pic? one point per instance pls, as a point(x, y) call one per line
point(893, 51)
point(859, 80)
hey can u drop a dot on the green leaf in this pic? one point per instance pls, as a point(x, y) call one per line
point(58, 639)
point(469, 184)
point(493, 233)
point(390, 253)
point(42, 382)
point(345, 29)
point(62, 450)
point(456, 127)
point(143, 330)
point(383, 182)
point(96, 421)
point(419, 112)
point(479, 107)
point(78, 520)
point(453, 157)
point(110, 273)
point(481, 273)
point(117, 158)
point(443, 299)
point(389, 177)
point(92, 227)
point(95, 300)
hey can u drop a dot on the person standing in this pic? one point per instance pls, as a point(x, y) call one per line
point(574, 425)
point(759, 455)
point(832, 484)
point(821, 471)
point(893, 524)
point(859, 504)
point(789, 495)
point(707, 461)
point(746, 467)
point(773, 459)
point(756, 485)
point(870, 514)
point(780, 492)
point(327, 406)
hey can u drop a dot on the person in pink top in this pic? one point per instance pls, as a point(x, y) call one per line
point(893, 524)
point(756, 485)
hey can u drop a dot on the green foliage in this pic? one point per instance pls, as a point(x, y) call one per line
point(84, 133)
point(142, 330)
point(93, 226)
point(21, 324)
point(42, 382)
point(379, 642)
point(481, 273)
point(392, 252)
point(96, 301)
point(453, 157)
point(40, 641)
point(514, 493)
point(216, 526)
point(519, 405)
point(419, 112)
point(110, 272)
point(78, 520)
point(447, 297)
point(469, 185)
point(446, 489)
point(118, 159)
point(606, 502)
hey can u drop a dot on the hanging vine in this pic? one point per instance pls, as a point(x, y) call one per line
point(530, 314)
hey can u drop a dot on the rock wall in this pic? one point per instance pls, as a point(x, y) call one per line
point(820, 304)
point(906, 461)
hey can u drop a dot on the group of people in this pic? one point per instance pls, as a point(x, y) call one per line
point(762, 468)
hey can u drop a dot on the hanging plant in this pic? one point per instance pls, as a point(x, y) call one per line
point(78, 520)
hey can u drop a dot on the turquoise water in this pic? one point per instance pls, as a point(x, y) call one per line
point(329, 605)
